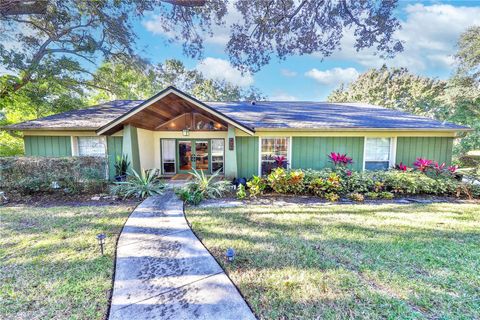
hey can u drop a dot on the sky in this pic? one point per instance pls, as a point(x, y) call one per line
point(430, 31)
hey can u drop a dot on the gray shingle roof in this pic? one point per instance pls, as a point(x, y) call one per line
point(83, 119)
point(320, 115)
point(263, 114)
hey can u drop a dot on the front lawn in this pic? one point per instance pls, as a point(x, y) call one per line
point(50, 264)
point(350, 261)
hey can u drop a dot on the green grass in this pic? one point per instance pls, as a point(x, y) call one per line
point(50, 264)
point(350, 261)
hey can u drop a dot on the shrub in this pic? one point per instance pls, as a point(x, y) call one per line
point(372, 195)
point(332, 196)
point(241, 194)
point(326, 187)
point(386, 195)
point(192, 197)
point(203, 187)
point(139, 185)
point(210, 187)
point(29, 175)
point(121, 166)
point(257, 186)
point(355, 196)
point(295, 181)
point(278, 180)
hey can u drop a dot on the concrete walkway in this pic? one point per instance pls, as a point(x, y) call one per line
point(164, 272)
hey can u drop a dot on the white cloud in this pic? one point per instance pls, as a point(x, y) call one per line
point(283, 96)
point(288, 73)
point(220, 69)
point(220, 33)
point(333, 76)
point(430, 34)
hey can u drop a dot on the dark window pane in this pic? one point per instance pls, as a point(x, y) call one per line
point(217, 166)
point(169, 168)
point(376, 165)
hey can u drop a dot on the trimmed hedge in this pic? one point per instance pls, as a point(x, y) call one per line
point(30, 175)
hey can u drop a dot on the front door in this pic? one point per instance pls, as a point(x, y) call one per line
point(193, 154)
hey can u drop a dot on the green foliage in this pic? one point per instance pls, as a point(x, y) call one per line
point(30, 175)
point(468, 54)
point(278, 180)
point(386, 195)
point(295, 181)
point(203, 187)
point(455, 100)
point(193, 197)
point(256, 186)
point(241, 194)
point(357, 197)
point(121, 165)
point(394, 88)
point(139, 185)
point(326, 187)
point(117, 80)
point(372, 195)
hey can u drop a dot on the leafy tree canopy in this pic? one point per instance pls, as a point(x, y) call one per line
point(395, 88)
point(59, 43)
point(140, 81)
point(468, 55)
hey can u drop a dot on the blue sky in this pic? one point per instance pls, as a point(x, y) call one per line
point(429, 31)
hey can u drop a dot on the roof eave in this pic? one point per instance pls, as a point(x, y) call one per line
point(112, 124)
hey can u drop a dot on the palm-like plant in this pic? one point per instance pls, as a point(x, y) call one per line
point(208, 186)
point(140, 185)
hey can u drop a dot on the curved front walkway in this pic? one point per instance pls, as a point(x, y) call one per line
point(164, 272)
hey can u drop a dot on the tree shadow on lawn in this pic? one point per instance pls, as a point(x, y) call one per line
point(436, 268)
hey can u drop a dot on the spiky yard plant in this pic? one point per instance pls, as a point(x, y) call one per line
point(208, 186)
point(139, 185)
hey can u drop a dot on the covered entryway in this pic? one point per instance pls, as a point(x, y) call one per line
point(177, 134)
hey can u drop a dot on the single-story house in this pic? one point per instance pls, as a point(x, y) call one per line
point(176, 133)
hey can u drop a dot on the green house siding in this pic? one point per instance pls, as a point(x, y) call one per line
point(312, 152)
point(247, 156)
point(115, 148)
point(48, 146)
point(434, 148)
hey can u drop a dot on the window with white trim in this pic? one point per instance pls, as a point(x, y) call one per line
point(378, 153)
point(218, 150)
point(168, 156)
point(91, 146)
point(273, 148)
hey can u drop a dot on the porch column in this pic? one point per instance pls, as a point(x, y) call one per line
point(130, 146)
point(231, 155)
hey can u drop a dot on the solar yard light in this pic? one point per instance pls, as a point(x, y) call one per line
point(101, 241)
point(230, 254)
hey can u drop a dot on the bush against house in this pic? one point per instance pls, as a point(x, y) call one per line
point(31, 175)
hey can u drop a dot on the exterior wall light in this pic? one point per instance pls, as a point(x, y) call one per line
point(186, 132)
point(230, 255)
point(101, 241)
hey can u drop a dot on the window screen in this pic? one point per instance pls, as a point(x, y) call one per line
point(168, 156)
point(218, 150)
point(91, 146)
point(377, 153)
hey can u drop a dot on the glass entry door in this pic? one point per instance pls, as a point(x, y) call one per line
point(193, 154)
point(201, 155)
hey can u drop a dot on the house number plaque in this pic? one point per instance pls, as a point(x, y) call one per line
point(231, 144)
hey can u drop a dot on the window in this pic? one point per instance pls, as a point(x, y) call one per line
point(168, 156)
point(378, 153)
point(218, 150)
point(271, 148)
point(91, 146)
